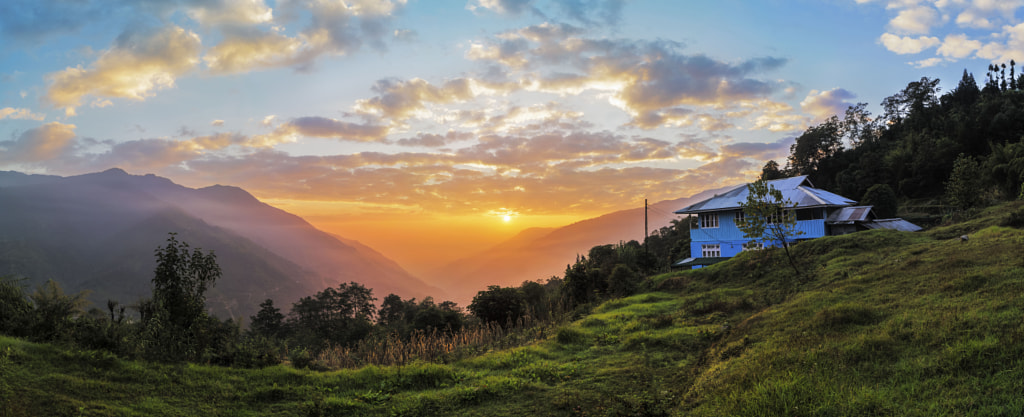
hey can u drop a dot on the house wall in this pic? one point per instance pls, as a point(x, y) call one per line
point(730, 239)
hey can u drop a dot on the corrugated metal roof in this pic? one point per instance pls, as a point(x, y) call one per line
point(699, 261)
point(848, 215)
point(796, 189)
point(893, 224)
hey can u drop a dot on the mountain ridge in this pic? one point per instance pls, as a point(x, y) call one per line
point(62, 227)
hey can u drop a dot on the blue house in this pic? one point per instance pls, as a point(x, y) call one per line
point(715, 236)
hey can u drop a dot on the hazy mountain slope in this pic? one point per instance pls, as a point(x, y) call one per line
point(99, 231)
point(540, 253)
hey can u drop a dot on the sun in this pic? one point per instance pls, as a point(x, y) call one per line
point(506, 218)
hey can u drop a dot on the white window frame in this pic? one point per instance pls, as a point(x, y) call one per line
point(711, 250)
point(753, 246)
point(708, 220)
point(740, 218)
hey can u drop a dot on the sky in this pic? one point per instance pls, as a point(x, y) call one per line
point(431, 130)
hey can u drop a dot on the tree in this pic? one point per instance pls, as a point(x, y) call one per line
point(53, 310)
point(883, 198)
point(771, 171)
point(768, 218)
point(623, 281)
point(174, 319)
point(15, 308)
point(343, 316)
point(268, 322)
point(963, 190)
point(181, 280)
point(502, 305)
point(816, 144)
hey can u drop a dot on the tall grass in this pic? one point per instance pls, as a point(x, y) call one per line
point(443, 346)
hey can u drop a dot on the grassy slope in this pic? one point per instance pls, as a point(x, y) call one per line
point(884, 323)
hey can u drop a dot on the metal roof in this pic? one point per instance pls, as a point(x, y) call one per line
point(848, 215)
point(894, 224)
point(798, 190)
point(699, 261)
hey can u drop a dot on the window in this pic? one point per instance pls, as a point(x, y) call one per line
point(776, 218)
point(753, 245)
point(809, 214)
point(709, 220)
point(710, 250)
point(740, 218)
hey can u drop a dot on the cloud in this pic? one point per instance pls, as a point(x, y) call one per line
point(229, 12)
point(993, 29)
point(217, 123)
point(433, 140)
point(398, 100)
point(915, 20)
point(19, 113)
point(925, 63)
point(323, 127)
point(586, 12)
point(652, 81)
point(39, 144)
point(513, 7)
point(906, 44)
point(255, 50)
point(137, 65)
point(958, 46)
point(823, 104)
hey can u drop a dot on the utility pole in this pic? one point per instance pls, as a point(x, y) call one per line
point(645, 224)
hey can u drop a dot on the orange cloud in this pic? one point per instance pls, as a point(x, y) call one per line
point(43, 143)
point(19, 113)
point(823, 104)
point(136, 66)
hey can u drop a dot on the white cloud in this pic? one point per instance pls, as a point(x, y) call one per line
point(906, 44)
point(915, 20)
point(925, 63)
point(958, 46)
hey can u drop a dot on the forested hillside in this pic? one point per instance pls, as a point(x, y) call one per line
point(961, 148)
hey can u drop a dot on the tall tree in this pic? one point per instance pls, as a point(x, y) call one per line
point(817, 143)
point(268, 322)
point(771, 171)
point(173, 325)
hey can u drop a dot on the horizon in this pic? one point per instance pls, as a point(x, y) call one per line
point(395, 123)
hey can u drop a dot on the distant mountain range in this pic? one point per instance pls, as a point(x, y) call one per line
point(539, 253)
point(98, 232)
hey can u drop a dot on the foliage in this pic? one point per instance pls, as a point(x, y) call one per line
point(15, 307)
point(339, 316)
point(497, 304)
point(175, 326)
point(268, 321)
point(53, 311)
point(623, 281)
point(769, 218)
point(888, 323)
point(883, 198)
point(964, 188)
point(771, 171)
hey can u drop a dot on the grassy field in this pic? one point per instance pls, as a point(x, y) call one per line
point(879, 323)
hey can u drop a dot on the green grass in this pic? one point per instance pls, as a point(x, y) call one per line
point(880, 323)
